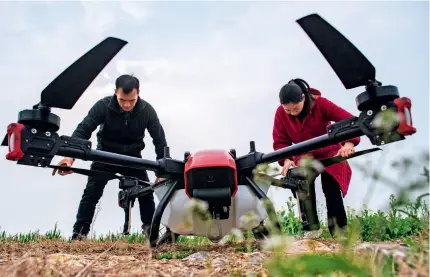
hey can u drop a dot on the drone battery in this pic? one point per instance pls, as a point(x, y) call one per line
point(217, 178)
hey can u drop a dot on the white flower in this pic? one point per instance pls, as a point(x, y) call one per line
point(276, 242)
point(235, 235)
point(197, 205)
point(249, 220)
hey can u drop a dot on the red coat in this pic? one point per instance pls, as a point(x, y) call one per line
point(289, 129)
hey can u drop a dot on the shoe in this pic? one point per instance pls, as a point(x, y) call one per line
point(146, 230)
point(339, 233)
point(313, 234)
point(77, 236)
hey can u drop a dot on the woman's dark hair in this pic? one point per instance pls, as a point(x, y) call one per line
point(127, 83)
point(293, 91)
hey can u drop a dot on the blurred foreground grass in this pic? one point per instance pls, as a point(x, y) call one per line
point(410, 222)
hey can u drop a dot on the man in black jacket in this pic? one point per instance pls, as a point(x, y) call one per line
point(123, 119)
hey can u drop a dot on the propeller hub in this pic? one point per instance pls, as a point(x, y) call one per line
point(375, 96)
point(41, 119)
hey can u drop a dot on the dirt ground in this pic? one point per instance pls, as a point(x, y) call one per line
point(119, 259)
point(85, 258)
point(122, 259)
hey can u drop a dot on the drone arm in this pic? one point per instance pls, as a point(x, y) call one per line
point(36, 147)
point(109, 158)
point(348, 129)
point(344, 130)
point(296, 149)
point(333, 112)
point(30, 146)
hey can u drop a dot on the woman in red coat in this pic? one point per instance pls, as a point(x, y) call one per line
point(302, 115)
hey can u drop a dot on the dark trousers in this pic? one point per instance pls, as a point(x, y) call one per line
point(336, 214)
point(94, 191)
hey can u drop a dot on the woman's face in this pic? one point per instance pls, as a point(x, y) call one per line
point(294, 109)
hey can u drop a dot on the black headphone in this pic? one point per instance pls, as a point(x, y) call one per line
point(304, 86)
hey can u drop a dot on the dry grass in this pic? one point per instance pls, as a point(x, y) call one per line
point(92, 258)
point(57, 258)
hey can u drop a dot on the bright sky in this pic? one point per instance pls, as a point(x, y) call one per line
point(211, 70)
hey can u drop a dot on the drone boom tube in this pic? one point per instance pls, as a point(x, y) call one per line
point(109, 158)
point(309, 145)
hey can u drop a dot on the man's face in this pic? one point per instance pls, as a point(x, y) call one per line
point(126, 101)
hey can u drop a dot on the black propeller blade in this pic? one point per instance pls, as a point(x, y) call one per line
point(350, 65)
point(333, 160)
point(96, 173)
point(337, 159)
point(5, 142)
point(87, 172)
point(65, 90)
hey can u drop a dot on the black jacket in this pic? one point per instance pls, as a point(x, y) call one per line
point(122, 132)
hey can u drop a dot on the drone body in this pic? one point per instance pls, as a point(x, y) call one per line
point(179, 217)
point(219, 178)
point(210, 176)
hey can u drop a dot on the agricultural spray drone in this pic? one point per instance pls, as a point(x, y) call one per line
point(222, 179)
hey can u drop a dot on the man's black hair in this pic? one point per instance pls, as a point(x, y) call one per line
point(127, 83)
point(293, 91)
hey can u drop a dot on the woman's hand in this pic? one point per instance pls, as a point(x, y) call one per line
point(287, 164)
point(346, 150)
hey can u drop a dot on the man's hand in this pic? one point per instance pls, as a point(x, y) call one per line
point(346, 150)
point(287, 164)
point(64, 162)
point(159, 180)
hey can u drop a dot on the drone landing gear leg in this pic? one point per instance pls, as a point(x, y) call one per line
point(156, 220)
point(306, 207)
point(261, 231)
point(127, 221)
point(301, 213)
